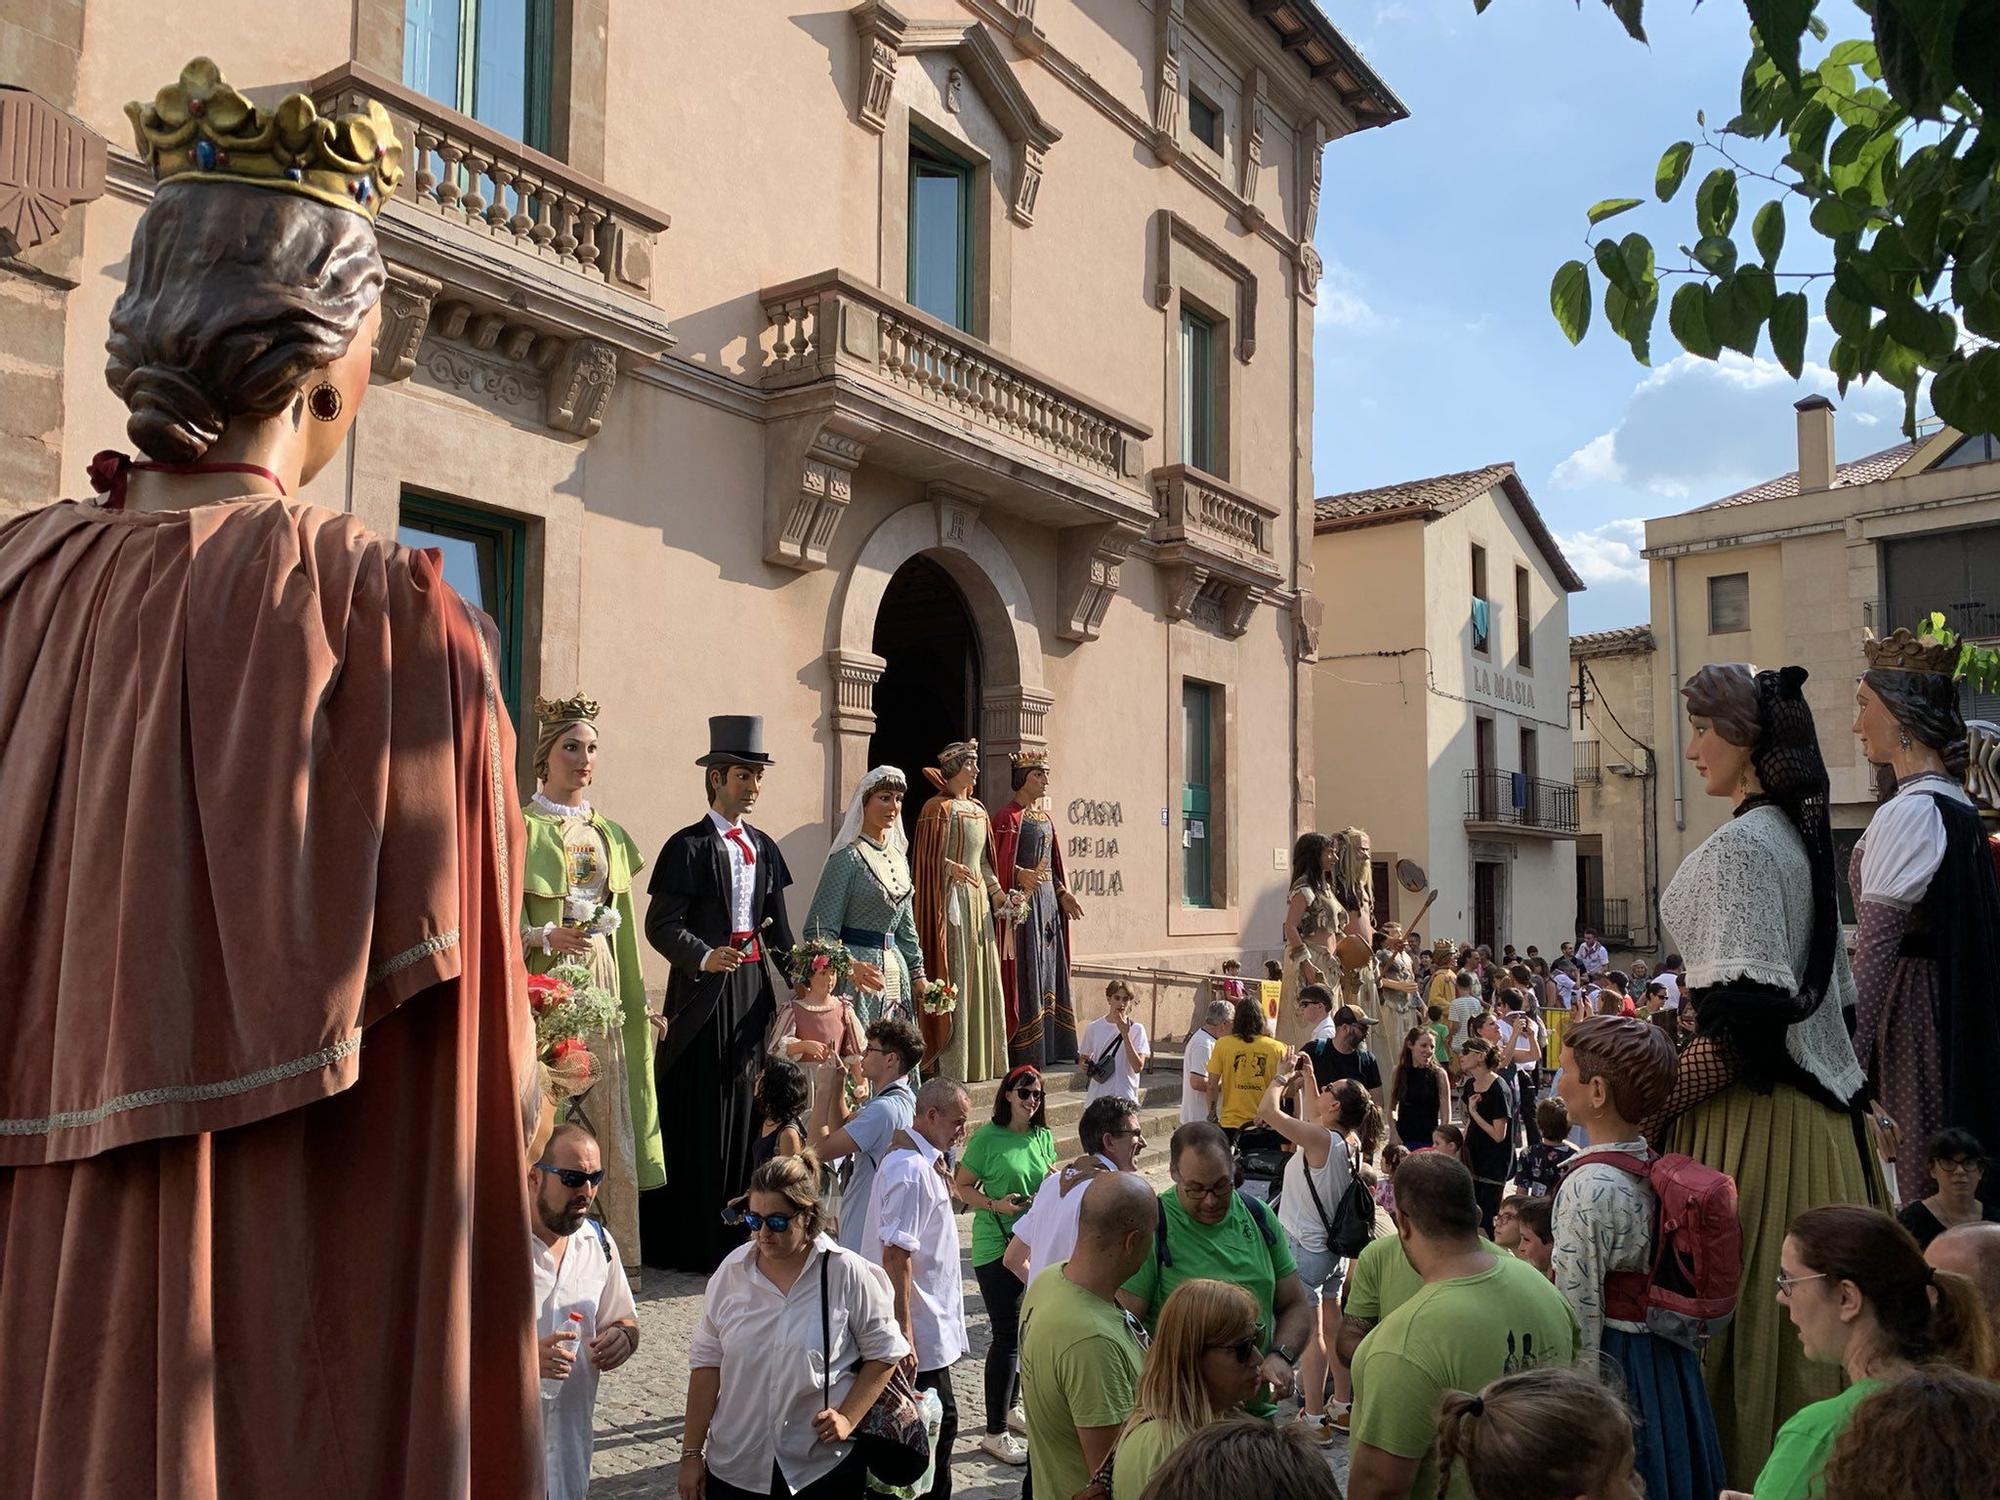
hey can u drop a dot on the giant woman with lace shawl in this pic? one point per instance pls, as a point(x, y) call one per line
point(865, 898)
point(1769, 1091)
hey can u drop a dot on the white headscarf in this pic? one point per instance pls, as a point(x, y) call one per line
point(851, 829)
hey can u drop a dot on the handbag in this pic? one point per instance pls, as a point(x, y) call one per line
point(1106, 1064)
point(891, 1437)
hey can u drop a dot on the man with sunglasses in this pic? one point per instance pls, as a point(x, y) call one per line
point(1046, 1233)
point(585, 1321)
point(863, 1137)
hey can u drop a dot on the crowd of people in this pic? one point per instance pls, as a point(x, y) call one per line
point(1592, 1232)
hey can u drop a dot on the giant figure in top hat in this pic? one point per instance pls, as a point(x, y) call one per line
point(717, 910)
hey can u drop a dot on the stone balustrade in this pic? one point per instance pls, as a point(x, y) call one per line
point(1197, 506)
point(468, 174)
point(832, 320)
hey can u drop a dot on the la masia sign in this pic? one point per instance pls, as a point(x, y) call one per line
point(1502, 687)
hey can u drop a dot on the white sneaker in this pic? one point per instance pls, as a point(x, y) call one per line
point(1005, 1447)
point(1017, 1421)
point(1316, 1430)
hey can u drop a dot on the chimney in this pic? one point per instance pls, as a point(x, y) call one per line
point(1815, 444)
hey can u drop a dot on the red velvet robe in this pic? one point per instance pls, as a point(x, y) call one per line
point(268, 1068)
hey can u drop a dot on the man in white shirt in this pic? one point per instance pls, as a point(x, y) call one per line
point(893, 1049)
point(584, 1317)
point(1669, 979)
point(1215, 1019)
point(1046, 1233)
point(1592, 954)
point(913, 1235)
point(1116, 1044)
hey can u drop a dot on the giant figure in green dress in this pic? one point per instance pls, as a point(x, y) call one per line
point(866, 896)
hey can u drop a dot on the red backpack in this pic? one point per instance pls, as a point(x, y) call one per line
point(1690, 1293)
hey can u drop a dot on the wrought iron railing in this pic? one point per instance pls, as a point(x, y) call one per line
point(1586, 772)
point(1521, 801)
point(1608, 917)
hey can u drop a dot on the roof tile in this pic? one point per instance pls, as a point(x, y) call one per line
point(1860, 471)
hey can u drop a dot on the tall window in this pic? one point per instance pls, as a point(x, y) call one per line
point(940, 232)
point(490, 59)
point(1198, 391)
point(1530, 759)
point(1524, 621)
point(484, 560)
point(1199, 793)
point(1728, 603)
point(1205, 120)
point(1482, 612)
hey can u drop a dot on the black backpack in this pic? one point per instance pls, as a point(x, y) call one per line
point(1352, 1224)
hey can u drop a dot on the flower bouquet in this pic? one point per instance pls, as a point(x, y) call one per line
point(938, 998)
point(591, 917)
point(1015, 907)
point(568, 1008)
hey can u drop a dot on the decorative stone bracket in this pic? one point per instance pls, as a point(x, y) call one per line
point(1203, 594)
point(506, 358)
point(809, 463)
point(1215, 548)
point(1307, 614)
point(1169, 23)
point(887, 36)
point(1088, 565)
point(49, 163)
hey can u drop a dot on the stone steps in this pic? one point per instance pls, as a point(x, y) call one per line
point(1159, 1100)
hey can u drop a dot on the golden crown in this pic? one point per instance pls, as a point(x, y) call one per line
point(201, 130)
point(1903, 652)
point(1027, 759)
point(575, 709)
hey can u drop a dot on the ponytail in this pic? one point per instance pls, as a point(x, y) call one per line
point(1457, 1414)
point(1960, 1333)
point(1545, 1434)
point(1921, 1314)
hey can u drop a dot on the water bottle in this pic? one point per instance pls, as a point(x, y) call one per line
point(552, 1387)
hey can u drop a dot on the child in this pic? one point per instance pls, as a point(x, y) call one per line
point(1232, 984)
point(817, 1026)
point(1541, 1165)
point(1617, 1071)
point(1545, 1434)
point(1440, 1028)
point(1393, 1156)
point(1450, 1140)
point(1532, 1218)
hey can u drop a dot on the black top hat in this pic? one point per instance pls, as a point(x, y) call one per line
point(735, 740)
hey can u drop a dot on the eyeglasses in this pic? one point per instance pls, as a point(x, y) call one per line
point(1207, 1190)
point(1972, 1168)
point(1135, 1133)
point(1245, 1349)
point(570, 1177)
point(1137, 1329)
point(776, 1223)
point(1786, 1283)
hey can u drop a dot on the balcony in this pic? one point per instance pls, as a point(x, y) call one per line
point(1507, 802)
point(1607, 918)
point(1585, 771)
point(854, 371)
point(1215, 547)
point(509, 271)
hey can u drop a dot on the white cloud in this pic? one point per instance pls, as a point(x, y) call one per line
point(1607, 556)
point(1344, 303)
point(1596, 462)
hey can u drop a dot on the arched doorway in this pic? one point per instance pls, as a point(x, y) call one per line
point(929, 692)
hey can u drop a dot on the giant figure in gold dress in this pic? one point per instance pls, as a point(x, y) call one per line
point(958, 890)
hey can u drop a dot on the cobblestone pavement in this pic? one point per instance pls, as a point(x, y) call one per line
point(640, 1407)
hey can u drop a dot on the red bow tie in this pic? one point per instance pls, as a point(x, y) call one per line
point(735, 836)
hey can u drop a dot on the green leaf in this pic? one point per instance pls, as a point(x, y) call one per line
point(1715, 202)
point(1672, 169)
point(1569, 299)
point(1716, 254)
point(1687, 320)
point(1836, 216)
point(1898, 365)
point(1732, 318)
point(1809, 130)
point(1608, 208)
point(1779, 25)
point(1844, 359)
point(1853, 53)
point(1768, 230)
point(1788, 332)
point(1914, 40)
point(1638, 253)
point(1847, 316)
point(1930, 335)
point(1758, 290)
point(1616, 272)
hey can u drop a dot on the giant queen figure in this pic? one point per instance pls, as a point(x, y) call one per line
point(263, 1119)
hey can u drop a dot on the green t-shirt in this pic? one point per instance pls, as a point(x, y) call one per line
point(1005, 1161)
point(1454, 1335)
point(1234, 1251)
point(1804, 1443)
point(1079, 1368)
point(1382, 1278)
point(1140, 1453)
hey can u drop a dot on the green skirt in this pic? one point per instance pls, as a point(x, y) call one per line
point(1788, 1153)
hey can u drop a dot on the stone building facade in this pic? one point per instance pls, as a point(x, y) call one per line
point(1438, 701)
point(1617, 771)
point(901, 372)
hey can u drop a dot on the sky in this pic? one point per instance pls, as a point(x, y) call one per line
point(1434, 348)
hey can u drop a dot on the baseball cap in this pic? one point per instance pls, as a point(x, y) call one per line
point(1347, 1015)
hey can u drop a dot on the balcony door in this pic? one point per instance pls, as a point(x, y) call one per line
point(490, 59)
point(1482, 763)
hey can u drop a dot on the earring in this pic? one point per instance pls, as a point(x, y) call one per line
point(1743, 780)
point(1903, 738)
point(323, 401)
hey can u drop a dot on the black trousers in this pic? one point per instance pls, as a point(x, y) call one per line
point(847, 1481)
point(1002, 1291)
point(939, 1380)
point(1528, 1082)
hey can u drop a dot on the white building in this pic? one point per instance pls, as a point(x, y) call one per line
point(1440, 687)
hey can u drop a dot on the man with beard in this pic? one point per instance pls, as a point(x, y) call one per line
point(585, 1322)
point(717, 909)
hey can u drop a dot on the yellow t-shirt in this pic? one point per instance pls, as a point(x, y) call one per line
point(1239, 1072)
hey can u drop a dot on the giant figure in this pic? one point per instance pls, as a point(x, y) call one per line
point(1035, 951)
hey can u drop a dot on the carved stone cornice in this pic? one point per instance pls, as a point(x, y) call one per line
point(1089, 566)
point(853, 675)
point(809, 464)
point(887, 36)
point(1171, 229)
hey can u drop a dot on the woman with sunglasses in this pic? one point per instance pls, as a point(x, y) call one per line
point(797, 1340)
point(1957, 1163)
point(1862, 1297)
point(1002, 1167)
point(1203, 1366)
